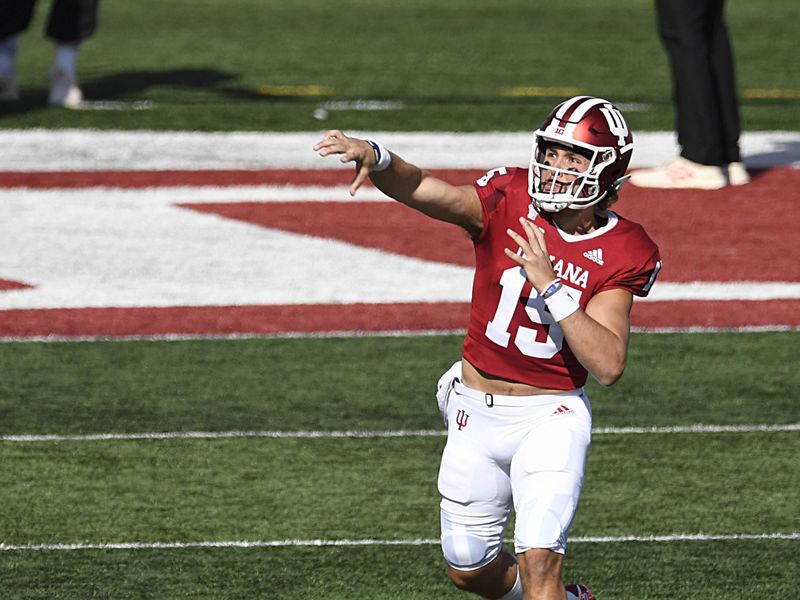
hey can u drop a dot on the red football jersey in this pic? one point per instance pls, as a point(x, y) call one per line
point(511, 333)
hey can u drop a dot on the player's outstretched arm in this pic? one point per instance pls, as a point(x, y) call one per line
point(405, 182)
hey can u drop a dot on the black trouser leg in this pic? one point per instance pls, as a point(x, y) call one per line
point(686, 29)
point(15, 16)
point(723, 66)
point(72, 21)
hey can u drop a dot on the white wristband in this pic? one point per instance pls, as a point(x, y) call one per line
point(561, 304)
point(383, 157)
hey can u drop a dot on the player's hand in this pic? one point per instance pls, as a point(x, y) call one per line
point(352, 150)
point(534, 258)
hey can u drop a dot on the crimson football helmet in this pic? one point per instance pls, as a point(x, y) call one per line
point(594, 128)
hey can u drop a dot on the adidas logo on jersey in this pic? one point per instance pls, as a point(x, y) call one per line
point(563, 410)
point(595, 255)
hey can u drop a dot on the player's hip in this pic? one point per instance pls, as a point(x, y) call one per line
point(505, 421)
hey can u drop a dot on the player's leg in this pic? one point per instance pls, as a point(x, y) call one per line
point(547, 476)
point(498, 580)
point(540, 572)
point(71, 22)
point(476, 504)
point(15, 16)
point(725, 78)
point(684, 29)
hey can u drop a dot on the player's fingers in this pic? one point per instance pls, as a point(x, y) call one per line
point(326, 150)
point(355, 153)
point(333, 135)
point(540, 240)
point(361, 176)
point(331, 138)
point(328, 146)
point(523, 243)
point(515, 257)
point(534, 235)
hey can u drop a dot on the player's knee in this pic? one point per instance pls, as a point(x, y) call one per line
point(463, 580)
point(470, 581)
point(466, 553)
point(489, 580)
point(541, 527)
point(546, 522)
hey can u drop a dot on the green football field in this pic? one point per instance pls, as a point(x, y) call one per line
point(238, 516)
point(452, 65)
point(305, 468)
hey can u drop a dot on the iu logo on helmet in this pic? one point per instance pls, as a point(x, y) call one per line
point(461, 419)
point(616, 123)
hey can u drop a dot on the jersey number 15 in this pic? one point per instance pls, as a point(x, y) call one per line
point(546, 340)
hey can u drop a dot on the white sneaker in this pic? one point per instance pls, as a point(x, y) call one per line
point(737, 174)
point(64, 90)
point(9, 92)
point(681, 173)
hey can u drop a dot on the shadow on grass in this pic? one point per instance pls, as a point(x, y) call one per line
point(132, 85)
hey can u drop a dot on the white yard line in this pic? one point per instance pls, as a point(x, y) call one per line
point(78, 150)
point(180, 337)
point(676, 537)
point(149, 197)
point(400, 433)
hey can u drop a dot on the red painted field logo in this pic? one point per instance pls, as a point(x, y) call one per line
point(461, 419)
point(120, 292)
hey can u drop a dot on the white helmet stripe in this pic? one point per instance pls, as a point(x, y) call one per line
point(568, 104)
point(580, 112)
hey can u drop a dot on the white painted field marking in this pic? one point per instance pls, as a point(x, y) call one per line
point(79, 150)
point(180, 337)
point(723, 290)
point(134, 248)
point(115, 105)
point(126, 248)
point(676, 537)
point(400, 433)
point(700, 329)
point(150, 197)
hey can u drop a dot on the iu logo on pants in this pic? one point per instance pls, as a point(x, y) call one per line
point(461, 418)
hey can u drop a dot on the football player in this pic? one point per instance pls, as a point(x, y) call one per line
point(556, 272)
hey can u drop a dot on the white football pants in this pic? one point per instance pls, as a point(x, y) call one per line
point(527, 449)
